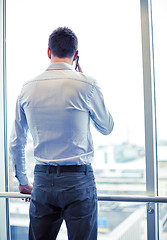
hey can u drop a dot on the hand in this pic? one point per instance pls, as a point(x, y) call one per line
point(26, 189)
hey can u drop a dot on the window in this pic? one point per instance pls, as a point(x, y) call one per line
point(110, 50)
point(113, 54)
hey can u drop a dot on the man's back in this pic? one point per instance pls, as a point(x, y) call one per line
point(57, 107)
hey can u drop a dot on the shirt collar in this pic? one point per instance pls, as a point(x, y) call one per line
point(60, 66)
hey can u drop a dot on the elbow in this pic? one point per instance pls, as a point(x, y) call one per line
point(105, 127)
point(108, 130)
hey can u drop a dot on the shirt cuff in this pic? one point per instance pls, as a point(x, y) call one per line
point(23, 180)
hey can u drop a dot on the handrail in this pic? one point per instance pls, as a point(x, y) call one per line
point(14, 195)
point(125, 198)
point(111, 198)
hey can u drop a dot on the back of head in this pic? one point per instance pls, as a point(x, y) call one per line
point(63, 43)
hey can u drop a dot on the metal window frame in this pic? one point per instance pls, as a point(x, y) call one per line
point(150, 117)
point(4, 203)
point(150, 124)
point(111, 198)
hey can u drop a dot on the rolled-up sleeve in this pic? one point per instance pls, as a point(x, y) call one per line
point(101, 117)
point(18, 140)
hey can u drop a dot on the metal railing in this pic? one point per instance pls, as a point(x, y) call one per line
point(112, 198)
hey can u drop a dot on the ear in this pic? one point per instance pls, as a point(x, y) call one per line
point(75, 55)
point(49, 53)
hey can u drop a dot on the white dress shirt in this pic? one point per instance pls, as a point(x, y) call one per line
point(56, 107)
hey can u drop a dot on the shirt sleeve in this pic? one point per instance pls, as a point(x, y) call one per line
point(101, 117)
point(18, 140)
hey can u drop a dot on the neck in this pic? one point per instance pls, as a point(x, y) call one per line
point(65, 60)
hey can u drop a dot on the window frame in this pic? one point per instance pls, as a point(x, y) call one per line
point(149, 114)
point(4, 203)
point(150, 117)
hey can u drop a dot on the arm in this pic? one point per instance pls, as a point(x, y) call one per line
point(17, 145)
point(101, 117)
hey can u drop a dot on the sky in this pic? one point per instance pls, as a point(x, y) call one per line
point(109, 34)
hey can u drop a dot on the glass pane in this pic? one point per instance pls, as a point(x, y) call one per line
point(110, 50)
point(19, 221)
point(162, 221)
point(121, 220)
point(160, 51)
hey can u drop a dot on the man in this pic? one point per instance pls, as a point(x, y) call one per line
point(57, 107)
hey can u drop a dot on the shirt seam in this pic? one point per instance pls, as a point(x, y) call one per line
point(91, 93)
point(54, 79)
point(52, 69)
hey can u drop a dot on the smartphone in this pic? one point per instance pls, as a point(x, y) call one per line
point(76, 65)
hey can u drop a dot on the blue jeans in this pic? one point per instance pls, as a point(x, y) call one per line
point(70, 196)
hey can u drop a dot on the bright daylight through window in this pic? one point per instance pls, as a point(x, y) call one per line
point(110, 50)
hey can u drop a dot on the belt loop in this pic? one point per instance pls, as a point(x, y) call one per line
point(58, 171)
point(86, 169)
point(48, 170)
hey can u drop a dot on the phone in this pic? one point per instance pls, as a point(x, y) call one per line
point(76, 65)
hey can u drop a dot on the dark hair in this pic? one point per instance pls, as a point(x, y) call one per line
point(63, 42)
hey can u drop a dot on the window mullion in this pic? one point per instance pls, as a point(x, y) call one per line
point(4, 206)
point(150, 122)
